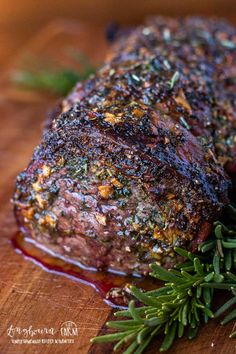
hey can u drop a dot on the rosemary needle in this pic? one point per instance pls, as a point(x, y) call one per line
point(184, 302)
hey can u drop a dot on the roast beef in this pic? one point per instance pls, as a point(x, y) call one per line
point(137, 159)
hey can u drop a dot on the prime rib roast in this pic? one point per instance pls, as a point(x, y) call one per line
point(137, 159)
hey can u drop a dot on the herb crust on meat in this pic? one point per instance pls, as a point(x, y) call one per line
point(137, 160)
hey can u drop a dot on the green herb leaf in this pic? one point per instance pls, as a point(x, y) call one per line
point(54, 80)
point(185, 300)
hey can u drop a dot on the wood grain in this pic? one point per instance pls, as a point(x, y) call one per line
point(29, 295)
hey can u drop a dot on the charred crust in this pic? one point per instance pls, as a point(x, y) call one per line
point(135, 162)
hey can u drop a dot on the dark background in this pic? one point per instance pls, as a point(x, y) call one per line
point(21, 19)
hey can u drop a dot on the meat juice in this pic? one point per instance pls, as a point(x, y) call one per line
point(112, 287)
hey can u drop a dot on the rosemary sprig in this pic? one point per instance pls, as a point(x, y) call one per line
point(185, 301)
point(57, 81)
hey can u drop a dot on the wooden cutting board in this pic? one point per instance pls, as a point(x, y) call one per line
point(31, 297)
